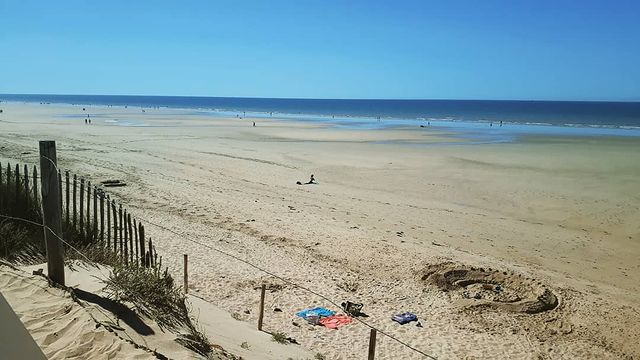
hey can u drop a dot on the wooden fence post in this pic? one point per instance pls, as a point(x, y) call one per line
point(186, 276)
point(263, 290)
point(372, 344)
point(51, 211)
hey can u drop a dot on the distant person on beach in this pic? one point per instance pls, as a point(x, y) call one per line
point(89, 121)
point(254, 124)
point(312, 180)
point(85, 121)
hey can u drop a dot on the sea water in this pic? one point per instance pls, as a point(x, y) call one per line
point(498, 120)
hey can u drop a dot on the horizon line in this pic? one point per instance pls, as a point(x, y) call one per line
point(311, 98)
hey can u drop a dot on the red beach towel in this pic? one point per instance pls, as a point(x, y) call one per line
point(335, 321)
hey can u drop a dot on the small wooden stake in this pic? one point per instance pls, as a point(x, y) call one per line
point(186, 276)
point(372, 344)
point(263, 289)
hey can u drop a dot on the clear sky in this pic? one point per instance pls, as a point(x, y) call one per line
point(477, 49)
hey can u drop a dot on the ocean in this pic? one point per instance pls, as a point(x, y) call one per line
point(597, 118)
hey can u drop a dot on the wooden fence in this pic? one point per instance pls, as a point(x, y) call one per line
point(90, 215)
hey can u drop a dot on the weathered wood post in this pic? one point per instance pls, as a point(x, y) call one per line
point(60, 191)
point(51, 207)
point(263, 290)
point(186, 276)
point(372, 344)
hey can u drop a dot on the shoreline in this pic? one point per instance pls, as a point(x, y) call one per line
point(477, 127)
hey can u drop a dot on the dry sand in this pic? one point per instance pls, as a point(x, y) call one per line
point(542, 214)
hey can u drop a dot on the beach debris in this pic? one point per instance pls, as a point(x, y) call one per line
point(277, 310)
point(113, 183)
point(404, 318)
point(400, 233)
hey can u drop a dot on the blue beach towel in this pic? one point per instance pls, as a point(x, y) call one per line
point(320, 311)
point(404, 318)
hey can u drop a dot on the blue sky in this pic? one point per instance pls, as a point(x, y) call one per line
point(555, 50)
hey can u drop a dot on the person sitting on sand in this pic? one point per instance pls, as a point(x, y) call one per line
point(312, 180)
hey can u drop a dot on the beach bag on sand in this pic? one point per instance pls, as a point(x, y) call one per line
point(353, 309)
point(404, 318)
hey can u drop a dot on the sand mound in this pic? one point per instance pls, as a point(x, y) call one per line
point(491, 288)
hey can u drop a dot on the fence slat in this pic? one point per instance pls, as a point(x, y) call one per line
point(108, 222)
point(75, 196)
point(130, 238)
point(120, 229)
point(17, 174)
point(66, 187)
point(115, 226)
point(26, 186)
point(1, 188)
point(35, 185)
point(135, 230)
point(81, 225)
point(102, 217)
point(95, 215)
point(126, 237)
point(143, 258)
point(88, 224)
point(60, 193)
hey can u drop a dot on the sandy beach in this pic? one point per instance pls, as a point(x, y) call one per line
point(393, 213)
